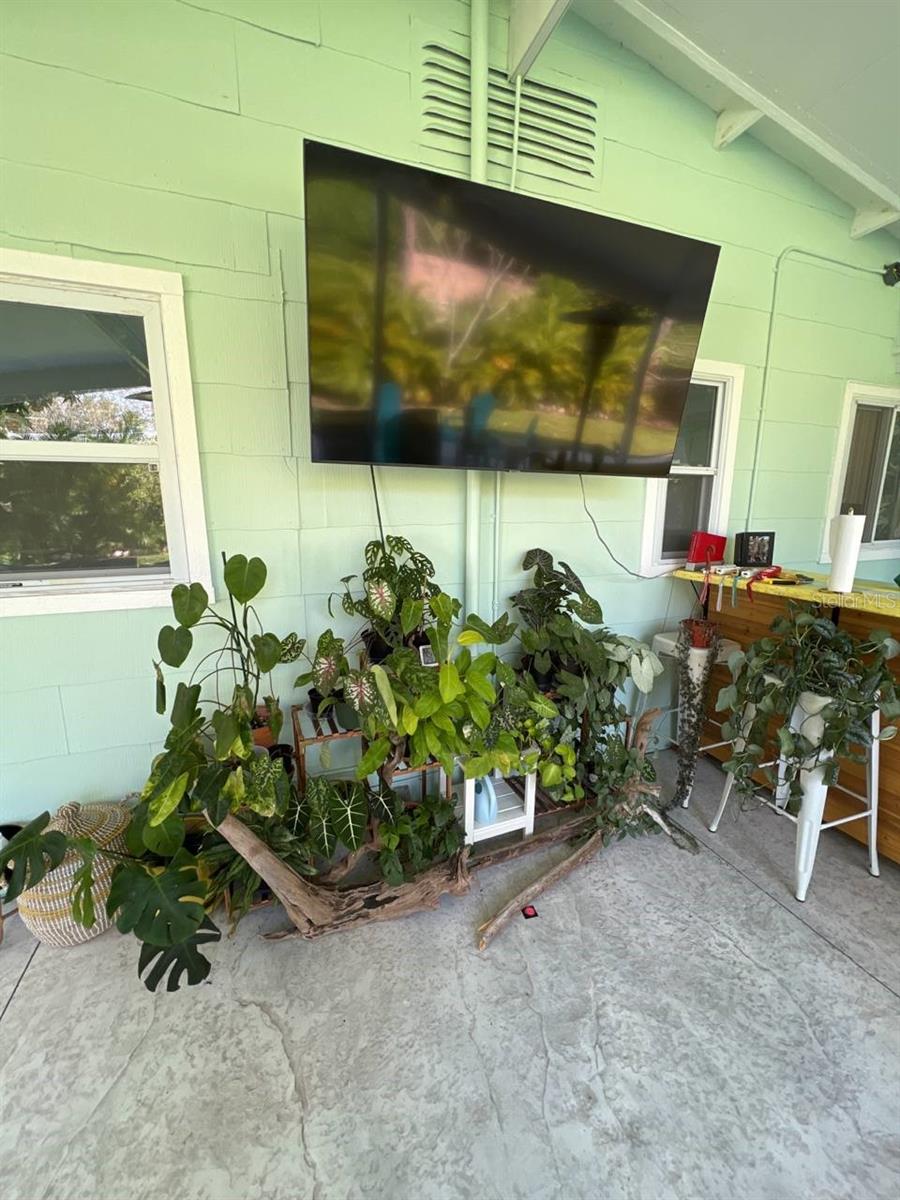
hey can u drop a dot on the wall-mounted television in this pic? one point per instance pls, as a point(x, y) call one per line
point(453, 324)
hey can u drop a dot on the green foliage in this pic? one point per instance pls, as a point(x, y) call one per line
point(807, 653)
point(27, 857)
point(174, 961)
point(583, 752)
point(413, 838)
point(398, 584)
point(161, 906)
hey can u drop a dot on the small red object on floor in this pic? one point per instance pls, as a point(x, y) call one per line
point(529, 911)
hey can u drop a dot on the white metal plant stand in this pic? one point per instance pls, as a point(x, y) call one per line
point(812, 807)
point(513, 811)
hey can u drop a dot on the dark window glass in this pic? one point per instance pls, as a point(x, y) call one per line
point(81, 518)
point(687, 509)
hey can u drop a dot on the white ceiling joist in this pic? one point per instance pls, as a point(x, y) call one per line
point(867, 220)
point(530, 24)
point(640, 28)
point(731, 123)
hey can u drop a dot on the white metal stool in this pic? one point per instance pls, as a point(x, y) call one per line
point(666, 646)
point(809, 820)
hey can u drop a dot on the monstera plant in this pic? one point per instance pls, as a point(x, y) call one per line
point(208, 768)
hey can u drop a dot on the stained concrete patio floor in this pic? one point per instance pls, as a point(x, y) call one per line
point(672, 1027)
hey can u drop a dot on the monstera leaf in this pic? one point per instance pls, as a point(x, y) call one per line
point(172, 962)
point(32, 853)
point(161, 907)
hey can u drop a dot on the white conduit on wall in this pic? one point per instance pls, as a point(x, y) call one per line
point(478, 91)
point(764, 389)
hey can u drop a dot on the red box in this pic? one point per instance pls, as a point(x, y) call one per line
point(706, 548)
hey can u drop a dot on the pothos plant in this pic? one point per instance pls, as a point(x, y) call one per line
point(585, 671)
point(846, 678)
point(208, 768)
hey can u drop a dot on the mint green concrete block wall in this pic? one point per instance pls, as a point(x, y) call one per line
point(165, 134)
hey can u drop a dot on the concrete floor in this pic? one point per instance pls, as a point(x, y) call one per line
point(672, 1026)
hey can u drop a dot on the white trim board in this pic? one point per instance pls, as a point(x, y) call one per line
point(157, 296)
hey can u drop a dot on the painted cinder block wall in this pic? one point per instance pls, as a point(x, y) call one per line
point(168, 134)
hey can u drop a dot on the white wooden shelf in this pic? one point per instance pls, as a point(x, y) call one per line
point(513, 811)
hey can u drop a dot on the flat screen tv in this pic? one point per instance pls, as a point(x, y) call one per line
point(453, 324)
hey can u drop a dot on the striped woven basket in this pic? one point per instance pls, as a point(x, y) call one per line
point(47, 908)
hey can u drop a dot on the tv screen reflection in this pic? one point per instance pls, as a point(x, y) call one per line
point(453, 324)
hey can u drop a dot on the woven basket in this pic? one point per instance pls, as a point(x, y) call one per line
point(47, 908)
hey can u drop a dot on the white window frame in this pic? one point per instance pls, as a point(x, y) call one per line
point(855, 394)
point(157, 296)
point(729, 378)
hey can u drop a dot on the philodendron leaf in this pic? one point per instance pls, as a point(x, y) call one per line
point(349, 813)
point(167, 799)
point(228, 742)
point(373, 757)
point(174, 643)
point(166, 838)
point(449, 682)
point(411, 615)
point(189, 603)
point(161, 907)
point(244, 578)
point(172, 962)
point(209, 793)
point(27, 857)
point(385, 692)
point(184, 706)
point(160, 690)
point(267, 648)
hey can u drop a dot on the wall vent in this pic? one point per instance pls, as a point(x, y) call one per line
point(557, 127)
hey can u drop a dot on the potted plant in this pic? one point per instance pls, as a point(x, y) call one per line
point(584, 670)
point(818, 686)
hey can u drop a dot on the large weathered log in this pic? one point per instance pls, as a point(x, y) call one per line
point(315, 910)
point(491, 928)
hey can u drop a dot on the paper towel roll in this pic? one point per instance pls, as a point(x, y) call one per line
point(846, 539)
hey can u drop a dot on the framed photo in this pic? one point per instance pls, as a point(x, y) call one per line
point(754, 549)
point(426, 656)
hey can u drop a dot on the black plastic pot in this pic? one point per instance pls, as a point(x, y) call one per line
point(377, 649)
point(284, 754)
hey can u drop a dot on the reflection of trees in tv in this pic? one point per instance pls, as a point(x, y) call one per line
point(483, 358)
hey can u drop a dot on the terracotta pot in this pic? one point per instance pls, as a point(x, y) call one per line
point(262, 734)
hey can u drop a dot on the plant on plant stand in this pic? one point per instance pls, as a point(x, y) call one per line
point(819, 686)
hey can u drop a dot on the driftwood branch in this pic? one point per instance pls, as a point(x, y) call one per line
point(492, 927)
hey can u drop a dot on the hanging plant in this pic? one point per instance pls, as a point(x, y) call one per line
point(698, 649)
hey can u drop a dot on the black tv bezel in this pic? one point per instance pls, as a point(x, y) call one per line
point(540, 200)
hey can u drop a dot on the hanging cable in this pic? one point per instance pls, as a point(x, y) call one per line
point(604, 544)
point(377, 505)
point(764, 388)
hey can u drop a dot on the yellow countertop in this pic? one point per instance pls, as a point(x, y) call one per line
point(876, 596)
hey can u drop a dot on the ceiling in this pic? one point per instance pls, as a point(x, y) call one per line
point(816, 80)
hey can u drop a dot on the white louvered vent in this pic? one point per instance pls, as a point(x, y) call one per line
point(557, 127)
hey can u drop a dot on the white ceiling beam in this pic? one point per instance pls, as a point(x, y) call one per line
point(868, 220)
point(530, 24)
point(732, 122)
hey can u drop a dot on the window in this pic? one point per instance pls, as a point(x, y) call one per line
point(100, 498)
point(697, 492)
point(867, 479)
